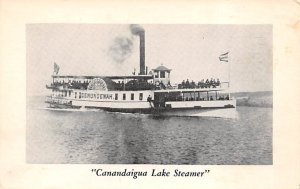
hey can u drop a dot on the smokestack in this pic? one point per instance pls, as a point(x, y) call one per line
point(142, 53)
point(138, 30)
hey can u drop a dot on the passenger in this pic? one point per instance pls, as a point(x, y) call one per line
point(149, 99)
point(211, 98)
point(211, 82)
point(199, 84)
point(187, 83)
point(162, 86)
point(218, 82)
point(206, 83)
point(227, 97)
point(214, 83)
point(183, 84)
point(193, 85)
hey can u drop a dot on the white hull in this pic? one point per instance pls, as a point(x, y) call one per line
point(204, 112)
point(218, 108)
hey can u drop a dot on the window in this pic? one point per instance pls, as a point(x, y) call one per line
point(116, 96)
point(124, 96)
point(66, 93)
point(79, 94)
point(141, 96)
point(75, 94)
point(156, 74)
point(69, 93)
point(162, 74)
point(132, 96)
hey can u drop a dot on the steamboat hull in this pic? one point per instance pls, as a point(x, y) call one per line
point(229, 112)
point(224, 109)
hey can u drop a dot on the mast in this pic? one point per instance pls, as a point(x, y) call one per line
point(229, 78)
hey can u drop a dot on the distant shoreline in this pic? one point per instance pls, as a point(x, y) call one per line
point(254, 99)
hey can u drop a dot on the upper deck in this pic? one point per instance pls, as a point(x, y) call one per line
point(89, 77)
point(157, 80)
point(221, 87)
point(130, 83)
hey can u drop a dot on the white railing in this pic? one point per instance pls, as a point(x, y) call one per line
point(51, 99)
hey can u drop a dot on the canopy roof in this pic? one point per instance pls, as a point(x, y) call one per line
point(109, 77)
point(162, 68)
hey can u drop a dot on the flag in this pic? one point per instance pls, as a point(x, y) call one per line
point(224, 57)
point(56, 68)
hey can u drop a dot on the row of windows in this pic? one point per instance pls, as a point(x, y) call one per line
point(131, 96)
point(106, 96)
point(62, 93)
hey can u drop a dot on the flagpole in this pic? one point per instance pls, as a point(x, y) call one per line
point(228, 72)
point(229, 76)
point(225, 58)
point(53, 77)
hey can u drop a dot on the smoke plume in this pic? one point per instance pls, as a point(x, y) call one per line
point(121, 49)
point(136, 29)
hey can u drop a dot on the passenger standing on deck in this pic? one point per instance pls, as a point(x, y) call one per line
point(218, 82)
point(187, 83)
point(211, 82)
point(183, 84)
point(193, 85)
point(206, 83)
point(227, 97)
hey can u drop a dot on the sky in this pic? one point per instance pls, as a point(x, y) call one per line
point(191, 51)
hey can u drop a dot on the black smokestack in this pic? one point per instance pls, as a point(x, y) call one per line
point(138, 30)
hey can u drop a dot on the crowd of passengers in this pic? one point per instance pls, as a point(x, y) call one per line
point(201, 84)
point(210, 98)
point(142, 84)
point(134, 85)
point(191, 98)
point(131, 85)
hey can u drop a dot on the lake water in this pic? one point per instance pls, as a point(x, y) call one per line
point(99, 137)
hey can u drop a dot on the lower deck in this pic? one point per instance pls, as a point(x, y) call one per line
point(173, 108)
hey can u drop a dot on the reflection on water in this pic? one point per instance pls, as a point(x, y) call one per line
point(114, 138)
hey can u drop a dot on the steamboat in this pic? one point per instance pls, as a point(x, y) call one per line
point(147, 92)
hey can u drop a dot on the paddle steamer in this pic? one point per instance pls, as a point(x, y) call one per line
point(149, 93)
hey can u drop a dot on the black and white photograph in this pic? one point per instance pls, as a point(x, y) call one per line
point(149, 94)
point(168, 94)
